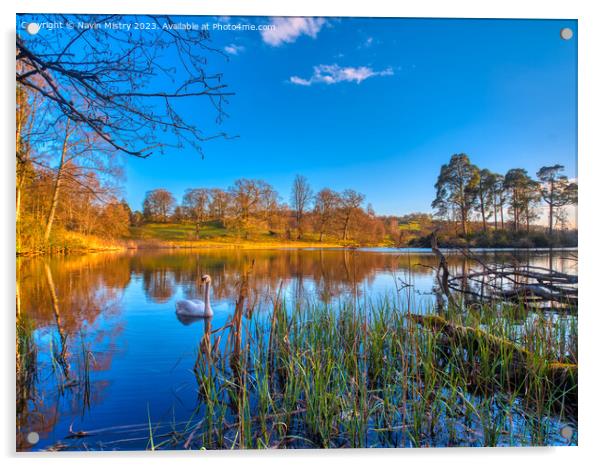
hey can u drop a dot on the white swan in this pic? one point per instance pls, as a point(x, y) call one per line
point(196, 307)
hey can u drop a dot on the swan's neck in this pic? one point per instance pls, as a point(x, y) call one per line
point(208, 309)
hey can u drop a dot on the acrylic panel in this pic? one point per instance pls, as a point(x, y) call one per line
point(295, 232)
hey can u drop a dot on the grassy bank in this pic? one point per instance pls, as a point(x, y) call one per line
point(211, 235)
point(164, 236)
point(66, 242)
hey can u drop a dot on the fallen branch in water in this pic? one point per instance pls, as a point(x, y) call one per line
point(525, 368)
point(442, 270)
point(523, 283)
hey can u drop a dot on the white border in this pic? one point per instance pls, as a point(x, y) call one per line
point(590, 173)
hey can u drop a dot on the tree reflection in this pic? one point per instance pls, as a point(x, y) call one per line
point(322, 274)
point(63, 299)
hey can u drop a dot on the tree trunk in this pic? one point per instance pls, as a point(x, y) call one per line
point(515, 216)
point(57, 186)
point(502, 215)
point(346, 227)
point(483, 215)
point(19, 127)
point(22, 155)
point(299, 219)
point(551, 213)
point(18, 201)
point(18, 190)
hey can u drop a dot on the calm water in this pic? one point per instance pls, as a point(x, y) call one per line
point(112, 317)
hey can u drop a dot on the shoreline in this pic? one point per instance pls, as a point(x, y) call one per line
point(143, 245)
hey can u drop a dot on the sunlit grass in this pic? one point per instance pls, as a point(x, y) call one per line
point(65, 242)
point(212, 234)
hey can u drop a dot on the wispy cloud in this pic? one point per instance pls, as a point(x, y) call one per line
point(287, 30)
point(234, 49)
point(368, 42)
point(332, 74)
point(300, 81)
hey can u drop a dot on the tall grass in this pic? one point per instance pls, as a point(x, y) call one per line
point(369, 374)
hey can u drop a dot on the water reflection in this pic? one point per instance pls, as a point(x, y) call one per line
point(99, 342)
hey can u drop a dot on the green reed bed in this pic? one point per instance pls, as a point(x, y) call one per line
point(372, 375)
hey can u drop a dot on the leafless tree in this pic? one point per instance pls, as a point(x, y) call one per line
point(301, 196)
point(127, 87)
point(326, 204)
point(351, 202)
point(196, 205)
point(158, 205)
point(251, 203)
point(219, 204)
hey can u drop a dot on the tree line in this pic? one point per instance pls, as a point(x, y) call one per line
point(252, 205)
point(78, 113)
point(514, 201)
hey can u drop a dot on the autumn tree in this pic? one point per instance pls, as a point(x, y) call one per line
point(114, 220)
point(456, 188)
point(219, 205)
point(136, 218)
point(351, 202)
point(556, 191)
point(114, 91)
point(28, 105)
point(158, 205)
point(326, 205)
point(251, 202)
point(196, 206)
point(58, 180)
point(370, 229)
point(301, 197)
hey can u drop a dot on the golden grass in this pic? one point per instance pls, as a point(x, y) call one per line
point(225, 243)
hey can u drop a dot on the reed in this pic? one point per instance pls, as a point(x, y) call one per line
point(364, 374)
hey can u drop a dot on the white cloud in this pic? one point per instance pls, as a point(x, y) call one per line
point(300, 81)
point(234, 49)
point(332, 74)
point(286, 30)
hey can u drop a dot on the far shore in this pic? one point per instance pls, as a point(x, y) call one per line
point(158, 245)
point(182, 237)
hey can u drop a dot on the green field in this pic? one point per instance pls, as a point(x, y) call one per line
point(178, 232)
point(213, 234)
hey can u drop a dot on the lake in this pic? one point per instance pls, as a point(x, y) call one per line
point(108, 354)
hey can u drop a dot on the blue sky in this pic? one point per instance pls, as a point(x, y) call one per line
point(378, 105)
